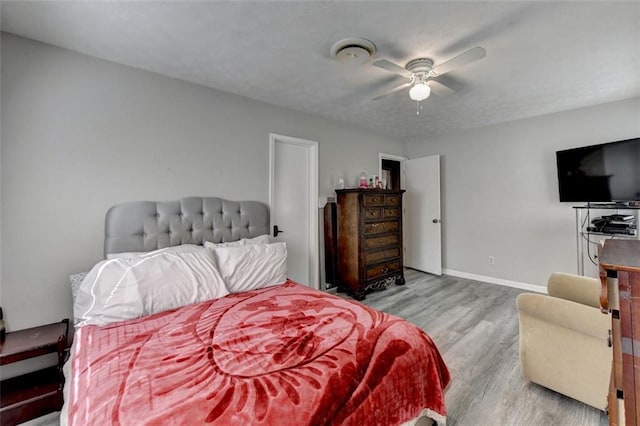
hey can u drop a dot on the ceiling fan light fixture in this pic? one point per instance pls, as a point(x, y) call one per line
point(420, 92)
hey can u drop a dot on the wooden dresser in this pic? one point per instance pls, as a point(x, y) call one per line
point(369, 240)
point(620, 277)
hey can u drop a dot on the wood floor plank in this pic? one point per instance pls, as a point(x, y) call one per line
point(475, 326)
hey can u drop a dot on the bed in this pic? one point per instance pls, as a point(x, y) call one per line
point(191, 320)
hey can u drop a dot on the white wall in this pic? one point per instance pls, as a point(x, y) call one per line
point(500, 196)
point(80, 134)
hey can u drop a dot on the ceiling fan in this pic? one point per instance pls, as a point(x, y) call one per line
point(421, 71)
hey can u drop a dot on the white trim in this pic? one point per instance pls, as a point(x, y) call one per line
point(383, 156)
point(498, 281)
point(312, 151)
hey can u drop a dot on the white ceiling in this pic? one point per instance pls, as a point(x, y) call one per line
point(542, 57)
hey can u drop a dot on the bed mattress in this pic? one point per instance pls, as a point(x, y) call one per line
point(279, 355)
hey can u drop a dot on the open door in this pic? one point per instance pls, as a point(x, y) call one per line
point(422, 226)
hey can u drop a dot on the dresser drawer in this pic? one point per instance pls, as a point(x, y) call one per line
point(390, 212)
point(391, 200)
point(379, 256)
point(382, 241)
point(374, 214)
point(373, 200)
point(380, 270)
point(381, 227)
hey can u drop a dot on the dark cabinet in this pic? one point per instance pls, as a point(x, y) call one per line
point(34, 394)
point(369, 255)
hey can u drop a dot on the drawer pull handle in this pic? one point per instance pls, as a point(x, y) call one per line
point(385, 270)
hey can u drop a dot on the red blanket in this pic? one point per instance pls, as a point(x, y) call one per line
point(280, 355)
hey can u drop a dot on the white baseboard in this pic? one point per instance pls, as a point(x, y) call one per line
point(498, 281)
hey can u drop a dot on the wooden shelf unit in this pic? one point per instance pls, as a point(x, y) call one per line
point(38, 393)
point(620, 278)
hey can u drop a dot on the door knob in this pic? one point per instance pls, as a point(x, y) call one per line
point(276, 231)
point(435, 221)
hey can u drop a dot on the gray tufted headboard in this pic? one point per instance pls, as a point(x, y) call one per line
point(150, 225)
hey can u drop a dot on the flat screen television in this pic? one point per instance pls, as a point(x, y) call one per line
point(600, 173)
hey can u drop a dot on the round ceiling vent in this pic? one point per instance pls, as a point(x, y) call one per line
point(353, 51)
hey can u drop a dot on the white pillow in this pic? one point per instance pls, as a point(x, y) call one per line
point(75, 280)
point(172, 249)
point(251, 266)
point(125, 288)
point(260, 239)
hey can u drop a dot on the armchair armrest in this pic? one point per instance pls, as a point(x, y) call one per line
point(579, 289)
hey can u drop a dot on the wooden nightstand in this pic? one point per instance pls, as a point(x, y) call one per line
point(34, 394)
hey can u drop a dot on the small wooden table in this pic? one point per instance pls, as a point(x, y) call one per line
point(34, 394)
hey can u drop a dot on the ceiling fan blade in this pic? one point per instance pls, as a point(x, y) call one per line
point(451, 82)
point(392, 91)
point(465, 58)
point(391, 67)
point(439, 89)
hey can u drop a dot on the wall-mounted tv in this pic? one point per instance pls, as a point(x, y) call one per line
point(600, 173)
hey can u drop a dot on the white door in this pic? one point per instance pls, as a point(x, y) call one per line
point(422, 227)
point(293, 195)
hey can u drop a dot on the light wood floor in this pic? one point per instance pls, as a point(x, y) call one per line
point(475, 326)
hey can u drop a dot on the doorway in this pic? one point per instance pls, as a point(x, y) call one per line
point(390, 173)
point(422, 226)
point(391, 170)
point(293, 197)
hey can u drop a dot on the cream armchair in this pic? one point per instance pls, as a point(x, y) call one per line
point(564, 339)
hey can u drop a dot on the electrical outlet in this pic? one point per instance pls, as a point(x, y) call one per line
point(492, 260)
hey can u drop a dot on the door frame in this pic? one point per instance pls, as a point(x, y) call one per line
point(312, 155)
